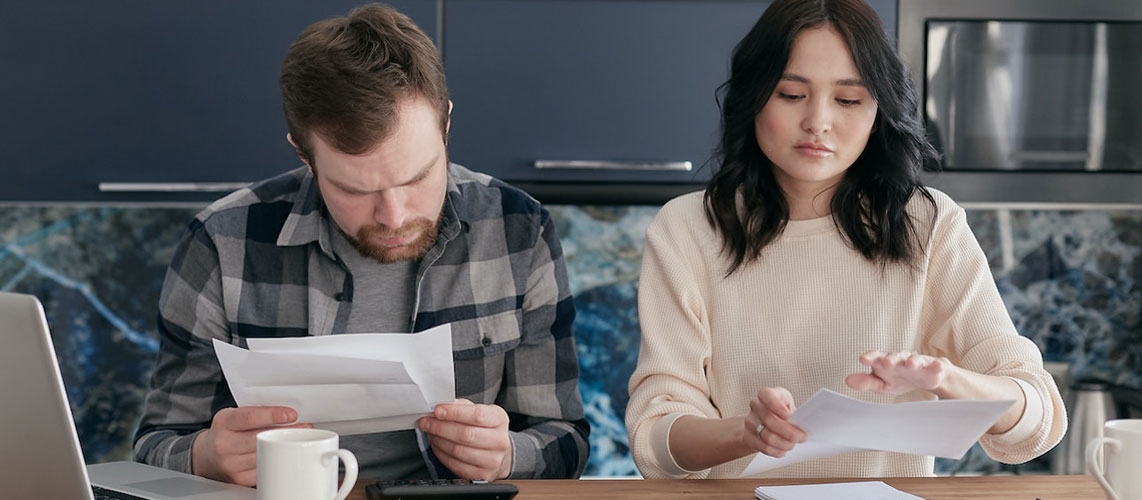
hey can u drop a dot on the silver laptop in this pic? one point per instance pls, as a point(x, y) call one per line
point(39, 450)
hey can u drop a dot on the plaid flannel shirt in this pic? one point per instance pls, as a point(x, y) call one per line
point(258, 263)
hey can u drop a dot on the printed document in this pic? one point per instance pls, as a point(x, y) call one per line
point(349, 383)
point(839, 424)
point(862, 490)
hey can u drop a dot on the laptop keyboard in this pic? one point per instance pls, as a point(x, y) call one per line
point(106, 494)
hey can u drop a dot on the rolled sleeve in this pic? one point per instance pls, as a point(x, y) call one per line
point(1031, 420)
point(660, 448)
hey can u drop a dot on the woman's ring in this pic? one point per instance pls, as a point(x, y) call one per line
point(758, 429)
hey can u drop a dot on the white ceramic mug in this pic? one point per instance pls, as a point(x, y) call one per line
point(301, 464)
point(1122, 475)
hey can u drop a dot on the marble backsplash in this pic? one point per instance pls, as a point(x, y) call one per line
point(1072, 281)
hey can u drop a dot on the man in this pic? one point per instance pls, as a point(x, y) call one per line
point(378, 232)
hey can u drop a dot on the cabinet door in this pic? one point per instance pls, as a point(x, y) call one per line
point(149, 91)
point(592, 80)
point(588, 80)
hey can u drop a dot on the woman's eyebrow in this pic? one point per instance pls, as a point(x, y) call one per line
point(844, 82)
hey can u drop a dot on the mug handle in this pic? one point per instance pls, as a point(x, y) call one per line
point(350, 462)
point(1094, 465)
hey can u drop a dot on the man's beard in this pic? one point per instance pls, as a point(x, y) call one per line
point(367, 240)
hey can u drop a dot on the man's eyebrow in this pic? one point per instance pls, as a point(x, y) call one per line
point(421, 174)
point(845, 82)
point(424, 171)
point(346, 188)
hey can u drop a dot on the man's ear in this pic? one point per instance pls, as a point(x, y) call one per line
point(296, 149)
point(448, 122)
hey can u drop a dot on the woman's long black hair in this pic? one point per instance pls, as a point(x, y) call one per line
point(743, 200)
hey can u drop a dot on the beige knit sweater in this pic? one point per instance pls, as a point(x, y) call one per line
point(800, 316)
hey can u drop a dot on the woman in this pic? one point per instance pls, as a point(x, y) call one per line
point(814, 259)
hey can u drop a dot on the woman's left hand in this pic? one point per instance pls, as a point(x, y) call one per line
point(900, 372)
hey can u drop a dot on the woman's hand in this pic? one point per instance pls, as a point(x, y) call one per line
point(900, 372)
point(767, 427)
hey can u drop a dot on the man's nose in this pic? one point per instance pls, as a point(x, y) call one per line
point(390, 209)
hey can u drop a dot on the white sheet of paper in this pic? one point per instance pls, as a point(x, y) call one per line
point(351, 383)
point(862, 490)
point(426, 355)
point(839, 424)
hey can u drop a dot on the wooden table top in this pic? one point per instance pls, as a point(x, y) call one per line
point(1077, 487)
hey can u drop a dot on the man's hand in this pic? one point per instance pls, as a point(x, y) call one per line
point(471, 439)
point(900, 372)
point(770, 412)
point(227, 450)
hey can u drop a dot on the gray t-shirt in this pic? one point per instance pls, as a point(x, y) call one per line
point(382, 303)
point(382, 293)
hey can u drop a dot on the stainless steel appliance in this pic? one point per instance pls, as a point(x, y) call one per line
point(1030, 100)
point(1090, 405)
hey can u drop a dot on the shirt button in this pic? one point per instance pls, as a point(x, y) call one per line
point(486, 341)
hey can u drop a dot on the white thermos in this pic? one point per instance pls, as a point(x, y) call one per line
point(1092, 404)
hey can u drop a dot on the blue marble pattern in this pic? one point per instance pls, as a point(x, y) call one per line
point(603, 249)
point(98, 272)
point(1071, 280)
point(1074, 288)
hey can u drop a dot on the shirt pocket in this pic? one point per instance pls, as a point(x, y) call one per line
point(486, 335)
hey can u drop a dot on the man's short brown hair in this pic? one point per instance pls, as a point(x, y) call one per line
point(344, 77)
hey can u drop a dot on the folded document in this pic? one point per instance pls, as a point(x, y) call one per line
point(350, 383)
point(839, 424)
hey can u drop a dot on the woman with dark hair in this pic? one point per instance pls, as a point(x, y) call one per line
point(815, 258)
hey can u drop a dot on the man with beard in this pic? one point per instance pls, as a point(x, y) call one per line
point(378, 232)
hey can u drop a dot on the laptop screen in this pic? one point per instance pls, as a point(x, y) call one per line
point(39, 449)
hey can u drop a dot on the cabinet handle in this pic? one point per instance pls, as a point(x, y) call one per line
point(682, 166)
point(1048, 156)
point(170, 187)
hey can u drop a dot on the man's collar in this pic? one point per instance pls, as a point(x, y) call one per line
point(305, 223)
point(452, 220)
point(308, 221)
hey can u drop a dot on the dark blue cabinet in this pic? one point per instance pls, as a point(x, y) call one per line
point(141, 91)
point(594, 81)
point(604, 82)
point(138, 91)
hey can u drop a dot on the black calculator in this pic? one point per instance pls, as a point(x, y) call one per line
point(440, 489)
